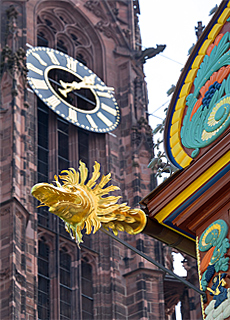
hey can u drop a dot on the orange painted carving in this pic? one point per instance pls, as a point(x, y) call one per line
point(218, 76)
point(216, 42)
point(206, 259)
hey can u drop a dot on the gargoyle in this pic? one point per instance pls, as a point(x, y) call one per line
point(148, 53)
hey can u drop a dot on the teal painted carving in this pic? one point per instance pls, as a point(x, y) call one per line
point(214, 238)
point(208, 107)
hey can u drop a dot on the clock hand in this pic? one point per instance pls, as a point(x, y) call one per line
point(68, 87)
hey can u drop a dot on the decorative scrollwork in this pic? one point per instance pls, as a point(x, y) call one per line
point(214, 241)
point(208, 113)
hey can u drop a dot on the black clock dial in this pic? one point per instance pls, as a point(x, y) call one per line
point(82, 98)
point(72, 90)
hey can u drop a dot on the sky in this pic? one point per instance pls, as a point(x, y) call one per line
point(172, 23)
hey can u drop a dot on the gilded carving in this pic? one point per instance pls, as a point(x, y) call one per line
point(84, 205)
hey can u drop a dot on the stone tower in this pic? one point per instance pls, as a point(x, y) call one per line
point(44, 275)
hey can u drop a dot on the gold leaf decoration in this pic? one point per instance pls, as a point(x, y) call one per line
point(84, 205)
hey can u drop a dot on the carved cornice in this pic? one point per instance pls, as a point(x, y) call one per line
point(106, 28)
point(95, 7)
point(103, 25)
point(19, 206)
point(12, 14)
point(4, 274)
point(4, 211)
point(142, 132)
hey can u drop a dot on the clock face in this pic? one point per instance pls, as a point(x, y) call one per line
point(72, 90)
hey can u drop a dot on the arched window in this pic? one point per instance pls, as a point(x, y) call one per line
point(61, 46)
point(65, 285)
point(58, 29)
point(63, 156)
point(41, 40)
point(63, 144)
point(43, 281)
point(81, 59)
point(86, 291)
point(43, 155)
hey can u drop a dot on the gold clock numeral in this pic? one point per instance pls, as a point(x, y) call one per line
point(109, 109)
point(72, 115)
point(39, 84)
point(42, 62)
point(104, 94)
point(71, 64)
point(31, 67)
point(104, 119)
point(52, 101)
point(53, 58)
point(91, 121)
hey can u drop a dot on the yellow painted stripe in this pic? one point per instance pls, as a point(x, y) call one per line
point(224, 16)
point(186, 161)
point(176, 150)
point(185, 89)
point(181, 155)
point(175, 128)
point(184, 195)
point(191, 75)
point(205, 46)
point(180, 103)
point(174, 140)
point(177, 115)
point(215, 30)
point(177, 231)
point(197, 61)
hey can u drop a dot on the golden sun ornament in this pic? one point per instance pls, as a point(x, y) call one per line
point(84, 205)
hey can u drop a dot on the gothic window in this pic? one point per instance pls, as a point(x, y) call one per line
point(75, 39)
point(43, 155)
point(63, 156)
point(43, 143)
point(86, 291)
point(43, 281)
point(83, 146)
point(49, 24)
point(65, 285)
point(58, 24)
point(63, 144)
point(41, 40)
point(81, 59)
point(61, 46)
